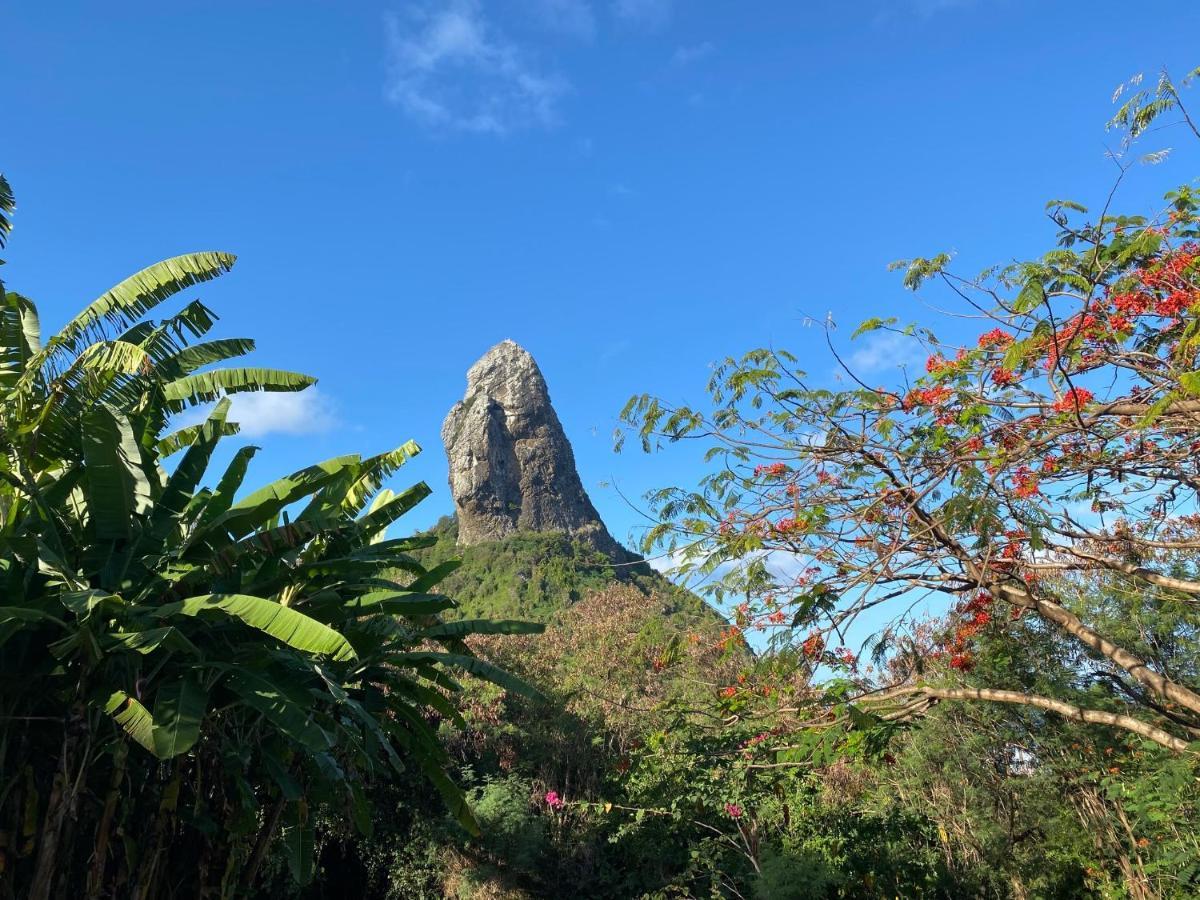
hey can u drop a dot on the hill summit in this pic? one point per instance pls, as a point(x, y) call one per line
point(511, 466)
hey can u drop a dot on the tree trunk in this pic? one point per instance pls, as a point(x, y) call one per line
point(265, 835)
point(104, 829)
point(61, 802)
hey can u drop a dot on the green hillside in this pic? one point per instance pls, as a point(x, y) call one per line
point(534, 575)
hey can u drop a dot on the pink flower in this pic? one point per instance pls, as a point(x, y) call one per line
point(553, 800)
point(733, 810)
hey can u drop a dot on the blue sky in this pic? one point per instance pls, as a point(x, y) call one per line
point(629, 188)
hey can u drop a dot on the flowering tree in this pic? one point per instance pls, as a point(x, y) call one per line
point(1048, 460)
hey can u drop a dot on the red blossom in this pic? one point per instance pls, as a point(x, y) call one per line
point(995, 338)
point(1003, 377)
point(813, 646)
point(933, 396)
point(1073, 400)
point(1025, 483)
point(937, 364)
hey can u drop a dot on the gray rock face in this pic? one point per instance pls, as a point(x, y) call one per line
point(511, 466)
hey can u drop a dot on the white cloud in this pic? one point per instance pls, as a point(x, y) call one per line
point(261, 413)
point(648, 14)
point(449, 67)
point(884, 350)
point(684, 56)
point(300, 412)
point(573, 18)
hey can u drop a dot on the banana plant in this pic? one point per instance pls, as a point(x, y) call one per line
point(187, 668)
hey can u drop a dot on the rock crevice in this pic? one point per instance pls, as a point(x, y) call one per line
point(511, 465)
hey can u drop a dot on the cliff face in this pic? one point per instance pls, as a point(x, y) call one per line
point(511, 465)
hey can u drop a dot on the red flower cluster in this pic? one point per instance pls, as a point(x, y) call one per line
point(995, 338)
point(933, 396)
point(937, 364)
point(1129, 305)
point(1003, 377)
point(973, 444)
point(1025, 483)
point(813, 646)
point(1074, 399)
point(976, 615)
point(774, 470)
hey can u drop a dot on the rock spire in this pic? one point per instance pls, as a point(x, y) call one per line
point(511, 465)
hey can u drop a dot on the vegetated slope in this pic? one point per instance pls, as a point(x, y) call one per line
point(535, 575)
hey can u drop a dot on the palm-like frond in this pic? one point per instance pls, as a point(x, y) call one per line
point(156, 615)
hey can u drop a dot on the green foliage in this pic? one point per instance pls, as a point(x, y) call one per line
point(194, 679)
point(535, 575)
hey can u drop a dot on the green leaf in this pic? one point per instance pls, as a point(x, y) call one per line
point(289, 709)
point(873, 324)
point(1156, 411)
point(133, 717)
point(178, 711)
point(150, 639)
point(397, 603)
point(293, 628)
point(81, 603)
point(1190, 382)
point(463, 627)
point(435, 575)
point(264, 504)
point(24, 614)
point(184, 480)
point(378, 519)
point(1032, 295)
point(189, 359)
point(227, 487)
point(298, 843)
point(7, 205)
point(477, 667)
point(117, 488)
point(20, 333)
point(139, 293)
point(177, 440)
point(204, 387)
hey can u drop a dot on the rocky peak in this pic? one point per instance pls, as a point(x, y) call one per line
point(511, 465)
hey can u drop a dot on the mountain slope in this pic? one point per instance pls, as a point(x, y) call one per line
point(535, 575)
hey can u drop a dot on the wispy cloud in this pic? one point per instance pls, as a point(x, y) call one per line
point(685, 56)
point(449, 67)
point(883, 350)
point(573, 18)
point(647, 14)
point(260, 414)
